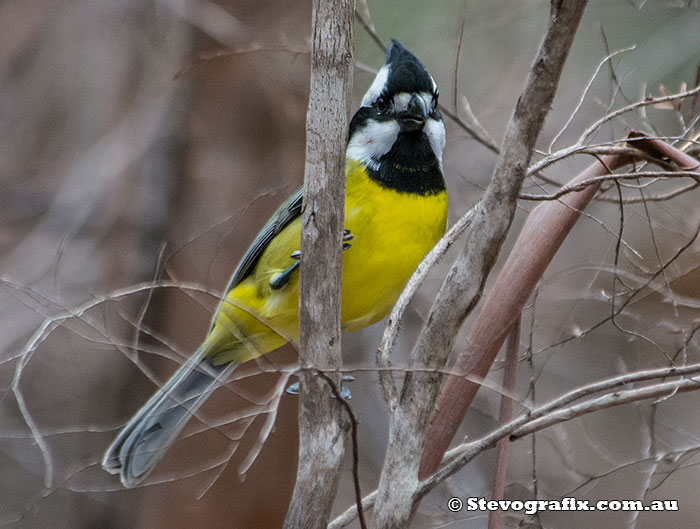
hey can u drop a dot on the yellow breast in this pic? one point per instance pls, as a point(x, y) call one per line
point(392, 232)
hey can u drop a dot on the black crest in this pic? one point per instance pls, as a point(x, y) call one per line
point(407, 73)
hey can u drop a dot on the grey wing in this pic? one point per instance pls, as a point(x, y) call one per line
point(285, 214)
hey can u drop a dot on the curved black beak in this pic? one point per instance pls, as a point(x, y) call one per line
point(413, 118)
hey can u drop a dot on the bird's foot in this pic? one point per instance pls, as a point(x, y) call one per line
point(347, 236)
point(283, 278)
point(344, 390)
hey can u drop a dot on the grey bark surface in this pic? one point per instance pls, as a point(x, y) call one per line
point(464, 283)
point(322, 423)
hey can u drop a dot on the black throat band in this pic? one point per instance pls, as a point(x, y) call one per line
point(410, 166)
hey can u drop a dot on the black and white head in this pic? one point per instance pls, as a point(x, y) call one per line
point(398, 133)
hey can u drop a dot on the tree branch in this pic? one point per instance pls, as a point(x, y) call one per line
point(571, 188)
point(462, 454)
point(322, 424)
point(391, 330)
point(549, 415)
point(464, 283)
point(543, 233)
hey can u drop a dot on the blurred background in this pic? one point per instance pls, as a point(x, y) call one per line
point(144, 144)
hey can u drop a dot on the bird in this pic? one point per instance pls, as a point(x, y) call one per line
point(395, 211)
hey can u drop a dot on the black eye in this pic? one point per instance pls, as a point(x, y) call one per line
point(382, 103)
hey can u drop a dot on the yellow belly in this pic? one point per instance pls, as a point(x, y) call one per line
point(392, 232)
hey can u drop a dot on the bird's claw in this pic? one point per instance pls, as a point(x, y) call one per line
point(283, 278)
point(344, 390)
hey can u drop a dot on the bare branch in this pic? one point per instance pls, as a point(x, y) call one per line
point(608, 400)
point(367, 23)
point(482, 132)
point(585, 93)
point(661, 197)
point(464, 283)
point(527, 424)
point(474, 132)
point(609, 147)
point(355, 446)
point(639, 104)
point(462, 454)
point(610, 178)
point(347, 517)
point(613, 76)
point(555, 411)
point(661, 150)
point(540, 238)
point(391, 330)
point(322, 425)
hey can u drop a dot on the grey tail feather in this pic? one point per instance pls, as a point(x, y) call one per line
point(148, 435)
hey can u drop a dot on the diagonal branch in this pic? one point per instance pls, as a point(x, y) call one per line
point(543, 233)
point(550, 415)
point(391, 330)
point(464, 283)
point(551, 411)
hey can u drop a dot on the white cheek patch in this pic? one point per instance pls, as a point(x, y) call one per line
point(435, 130)
point(377, 86)
point(374, 140)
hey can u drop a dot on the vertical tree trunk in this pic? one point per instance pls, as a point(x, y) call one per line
point(322, 426)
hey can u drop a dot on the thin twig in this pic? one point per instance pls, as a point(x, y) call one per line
point(579, 186)
point(639, 104)
point(355, 446)
point(634, 295)
point(157, 271)
point(608, 400)
point(657, 252)
point(661, 197)
point(608, 147)
point(533, 395)
point(457, 54)
point(483, 139)
point(369, 28)
point(550, 415)
point(348, 516)
point(694, 99)
point(585, 93)
point(393, 323)
point(613, 75)
point(465, 281)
